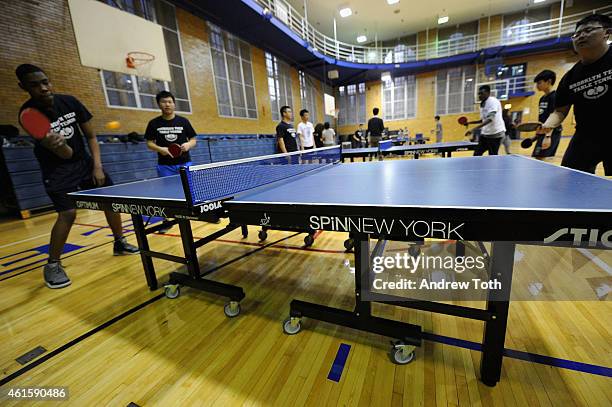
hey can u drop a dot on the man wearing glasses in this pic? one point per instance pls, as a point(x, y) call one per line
point(588, 87)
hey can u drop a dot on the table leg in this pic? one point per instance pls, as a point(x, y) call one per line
point(498, 302)
point(143, 245)
point(193, 267)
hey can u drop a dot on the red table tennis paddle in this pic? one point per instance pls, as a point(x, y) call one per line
point(463, 121)
point(35, 123)
point(175, 150)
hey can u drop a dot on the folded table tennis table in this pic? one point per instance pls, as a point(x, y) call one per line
point(462, 199)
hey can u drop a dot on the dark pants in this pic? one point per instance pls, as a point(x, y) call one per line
point(585, 152)
point(489, 144)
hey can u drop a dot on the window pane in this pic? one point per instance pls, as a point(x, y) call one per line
point(250, 97)
point(218, 64)
point(248, 73)
point(239, 111)
point(183, 105)
point(231, 45)
point(222, 92)
point(148, 102)
point(165, 14)
point(225, 110)
point(233, 66)
point(245, 51)
point(116, 98)
point(149, 86)
point(173, 49)
point(178, 85)
point(237, 94)
point(118, 80)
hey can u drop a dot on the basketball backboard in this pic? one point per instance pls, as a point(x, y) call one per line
point(105, 35)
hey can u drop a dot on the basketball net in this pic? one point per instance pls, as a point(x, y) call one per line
point(140, 62)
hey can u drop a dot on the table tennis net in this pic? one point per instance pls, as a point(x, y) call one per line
point(212, 182)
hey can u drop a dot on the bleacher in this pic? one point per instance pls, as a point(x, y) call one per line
point(23, 190)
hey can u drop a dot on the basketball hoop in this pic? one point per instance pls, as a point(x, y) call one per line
point(141, 62)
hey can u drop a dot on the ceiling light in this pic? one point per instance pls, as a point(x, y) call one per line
point(538, 1)
point(362, 38)
point(390, 2)
point(345, 12)
point(442, 20)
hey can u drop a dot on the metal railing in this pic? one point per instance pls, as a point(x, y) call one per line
point(514, 34)
point(504, 89)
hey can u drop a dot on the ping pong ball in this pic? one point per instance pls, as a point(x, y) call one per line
point(114, 125)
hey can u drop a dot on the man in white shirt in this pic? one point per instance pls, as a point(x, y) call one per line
point(491, 123)
point(305, 131)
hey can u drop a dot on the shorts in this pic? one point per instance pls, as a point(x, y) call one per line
point(550, 151)
point(61, 200)
point(168, 170)
point(585, 152)
point(490, 144)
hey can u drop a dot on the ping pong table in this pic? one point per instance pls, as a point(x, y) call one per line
point(464, 199)
point(385, 147)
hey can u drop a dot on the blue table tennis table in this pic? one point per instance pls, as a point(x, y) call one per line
point(493, 199)
point(415, 150)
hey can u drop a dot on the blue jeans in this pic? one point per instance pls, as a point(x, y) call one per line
point(167, 170)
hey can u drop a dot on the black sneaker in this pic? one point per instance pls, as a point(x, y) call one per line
point(121, 246)
point(55, 275)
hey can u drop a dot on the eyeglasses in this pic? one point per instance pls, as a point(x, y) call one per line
point(585, 31)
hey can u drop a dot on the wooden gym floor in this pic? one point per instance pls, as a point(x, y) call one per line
point(112, 342)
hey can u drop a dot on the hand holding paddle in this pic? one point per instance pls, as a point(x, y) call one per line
point(537, 127)
point(175, 150)
point(35, 123)
point(38, 126)
point(463, 121)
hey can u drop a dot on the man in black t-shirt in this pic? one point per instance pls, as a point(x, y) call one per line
point(375, 128)
point(170, 129)
point(544, 82)
point(359, 137)
point(165, 130)
point(66, 165)
point(285, 133)
point(588, 87)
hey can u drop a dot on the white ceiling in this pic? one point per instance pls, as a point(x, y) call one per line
point(372, 17)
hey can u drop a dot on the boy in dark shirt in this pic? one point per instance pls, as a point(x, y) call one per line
point(544, 82)
point(66, 165)
point(285, 133)
point(588, 87)
point(169, 129)
point(375, 128)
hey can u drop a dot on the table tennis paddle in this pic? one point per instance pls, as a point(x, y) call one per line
point(463, 121)
point(529, 126)
point(35, 123)
point(528, 142)
point(175, 150)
